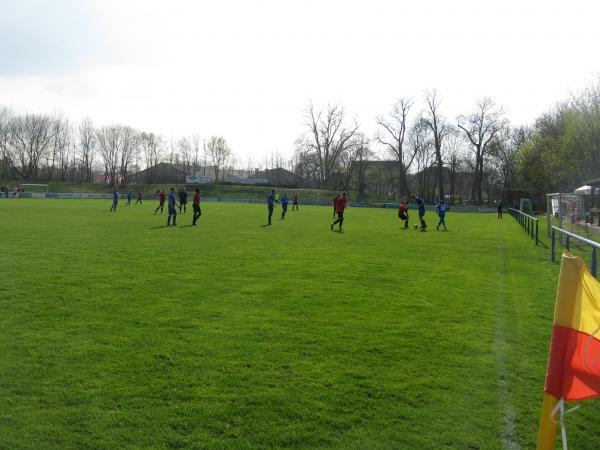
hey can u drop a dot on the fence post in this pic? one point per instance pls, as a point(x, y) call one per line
point(536, 233)
point(553, 245)
point(593, 261)
point(567, 243)
point(531, 231)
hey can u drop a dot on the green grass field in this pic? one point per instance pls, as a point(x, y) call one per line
point(117, 332)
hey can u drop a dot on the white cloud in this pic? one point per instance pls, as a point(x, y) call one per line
point(246, 69)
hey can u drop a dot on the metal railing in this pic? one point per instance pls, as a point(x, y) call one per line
point(528, 223)
point(568, 236)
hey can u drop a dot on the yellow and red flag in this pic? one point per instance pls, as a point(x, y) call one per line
point(574, 361)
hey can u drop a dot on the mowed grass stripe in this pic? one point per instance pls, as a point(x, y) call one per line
point(119, 332)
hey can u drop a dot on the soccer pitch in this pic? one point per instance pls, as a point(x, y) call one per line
point(118, 332)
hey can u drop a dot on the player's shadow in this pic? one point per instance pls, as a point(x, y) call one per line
point(266, 225)
point(158, 227)
point(185, 226)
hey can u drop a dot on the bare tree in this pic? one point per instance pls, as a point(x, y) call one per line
point(394, 130)
point(109, 144)
point(454, 145)
point(439, 130)
point(87, 148)
point(363, 154)
point(151, 147)
point(118, 145)
point(503, 150)
point(480, 127)
point(328, 137)
point(6, 117)
point(62, 146)
point(129, 150)
point(357, 151)
point(31, 136)
point(306, 166)
point(196, 156)
point(421, 145)
point(185, 147)
point(218, 153)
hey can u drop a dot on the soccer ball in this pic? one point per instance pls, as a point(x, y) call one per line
point(416, 226)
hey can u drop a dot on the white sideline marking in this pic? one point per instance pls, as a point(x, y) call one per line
point(509, 440)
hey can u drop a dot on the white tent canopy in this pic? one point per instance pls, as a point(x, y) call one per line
point(585, 189)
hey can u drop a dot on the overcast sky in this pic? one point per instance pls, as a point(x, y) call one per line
point(246, 69)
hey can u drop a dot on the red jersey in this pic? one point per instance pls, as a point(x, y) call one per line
point(335, 199)
point(403, 208)
point(161, 198)
point(197, 199)
point(340, 204)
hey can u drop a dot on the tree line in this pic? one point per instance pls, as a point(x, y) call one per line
point(426, 152)
point(45, 147)
point(419, 140)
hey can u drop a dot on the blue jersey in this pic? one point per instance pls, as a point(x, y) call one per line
point(116, 196)
point(420, 205)
point(129, 195)
point(284, 200)
point(172, 200)
point(271, 199)
point(441, 209)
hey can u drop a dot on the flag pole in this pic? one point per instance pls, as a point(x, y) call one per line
point(547, 432)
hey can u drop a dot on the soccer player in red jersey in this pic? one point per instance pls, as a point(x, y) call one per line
point(161, 199)
point(340, 206)
point(196, 206)
point(334, 203)
point(403, 212)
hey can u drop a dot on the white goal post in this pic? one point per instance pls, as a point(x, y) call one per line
point(35, 189)
point(568, 210)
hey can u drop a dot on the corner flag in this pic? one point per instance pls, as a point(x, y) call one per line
point(574, 361)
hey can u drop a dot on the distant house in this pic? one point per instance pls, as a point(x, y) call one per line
point(379, 177)
point(382, 178)
point(457, 184)
point(161, 173)
point(276, 177)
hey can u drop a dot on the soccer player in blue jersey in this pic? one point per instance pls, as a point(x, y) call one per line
point(284, 205)
point(441, 209)
point(172, 208)
point(271, 204)
point(129, 197)
point(115, 200)
point(421, 205)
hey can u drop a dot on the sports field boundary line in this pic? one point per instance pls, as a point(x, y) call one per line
point(505, 399)
point(91, 195)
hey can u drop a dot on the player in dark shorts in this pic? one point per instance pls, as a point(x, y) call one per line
point(340, 206)
point(182, 199)
point(441, 209)
point(172, 208)
point(129, 197)
point(295, 201)
point(196, 206)
point(500, 206)
point(161, 201)
point(139, 199)
point(115, 202)
point(403, 212)
point(334, 202)
point(284, 205)
point(271, 205)
point(421, 205)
